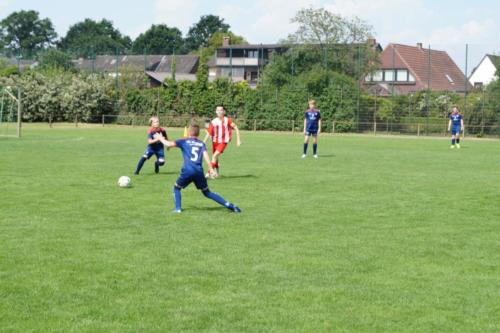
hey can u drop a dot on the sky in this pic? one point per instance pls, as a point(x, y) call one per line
point(444, 24)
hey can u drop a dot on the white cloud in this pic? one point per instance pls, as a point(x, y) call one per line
point(472, 31)
point(4, 3)
point(175, 13)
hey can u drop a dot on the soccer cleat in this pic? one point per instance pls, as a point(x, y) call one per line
point(177, 211)
point(452, 147)
point(136, 173)
point(458, 146)
point(157, 168)
point(236, 209)
point(303, 155)
point(315, 156)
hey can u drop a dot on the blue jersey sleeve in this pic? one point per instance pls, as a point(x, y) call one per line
point(180, 143)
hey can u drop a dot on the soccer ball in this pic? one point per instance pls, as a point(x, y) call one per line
point(124, 181)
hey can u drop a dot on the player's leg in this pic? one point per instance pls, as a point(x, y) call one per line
point(147, 154)
point(218, 149)
point(457, 138)
point(160, 160)
point(306, 142)
point(180, 183)
point(315, 145)
point(453, 140)
point(201, 184)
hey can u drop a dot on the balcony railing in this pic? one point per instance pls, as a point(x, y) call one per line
point(237, 61)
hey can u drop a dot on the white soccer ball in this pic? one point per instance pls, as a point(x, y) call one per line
point(124, 181)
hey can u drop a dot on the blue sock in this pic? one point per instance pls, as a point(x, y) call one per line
point(305, 148)
point(315, 147)
point(452, 142)
point(177, 198)
point(139, 165)
point(217, 198)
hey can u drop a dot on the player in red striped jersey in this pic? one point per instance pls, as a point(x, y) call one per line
point(221, 132)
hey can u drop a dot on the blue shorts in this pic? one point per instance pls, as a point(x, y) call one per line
point(455, 130)
point(312, 132)
point(196, 177)
point(160, 153)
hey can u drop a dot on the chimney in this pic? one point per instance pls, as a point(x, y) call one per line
point(226, 40)
point(419, 45)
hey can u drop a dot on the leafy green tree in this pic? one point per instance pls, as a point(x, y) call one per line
point(23, 32)
point(333, 40)
point(216, 39)
point(89, 38)
point(200, 33)
point(159, 39)
point(55, 58)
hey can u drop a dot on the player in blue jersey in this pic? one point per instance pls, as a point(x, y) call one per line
point(194, 152)
point(456, 125)
point(155, 147)
point(312, 127)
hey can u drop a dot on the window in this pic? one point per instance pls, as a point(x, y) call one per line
point(402, 75)
point(377, 76)
point(253, 54)
point(411, 78)
point(238, 72)
point(388, 75)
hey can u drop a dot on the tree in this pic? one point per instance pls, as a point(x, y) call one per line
point(55, 58)
point(319, 26)
point(200, 33)
point(336, 41)
point(89, 38)
point(25, 33)
point(216, 41)
point(159, 39)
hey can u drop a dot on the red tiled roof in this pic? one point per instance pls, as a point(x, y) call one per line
point(444, 73)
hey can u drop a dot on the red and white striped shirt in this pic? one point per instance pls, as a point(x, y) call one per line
point(221, 130)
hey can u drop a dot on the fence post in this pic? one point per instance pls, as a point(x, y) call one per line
point(50, 121)
point(133, 121)
point(333, 127)
point(375, 127)
point(387, 126)
point(293, 126)
point(254, 125)
point(76, 120)
point(102, 120)
point(418, 129)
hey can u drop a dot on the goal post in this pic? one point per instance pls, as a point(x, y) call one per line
point(10, 111)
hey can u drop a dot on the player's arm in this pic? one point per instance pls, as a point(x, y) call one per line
point(449, 125)
point(209, 163)
point(319, 126)
point(206, 136)
point(209, 132)
point(165, 141)
point(305, 124)
point(153, 140)
point(462, 124)
point(238, 140)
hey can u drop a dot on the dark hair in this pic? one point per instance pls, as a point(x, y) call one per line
point(194, 129)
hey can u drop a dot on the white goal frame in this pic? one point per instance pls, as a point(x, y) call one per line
point(6, 92)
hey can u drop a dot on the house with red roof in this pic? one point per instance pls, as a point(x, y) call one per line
point(406, 69)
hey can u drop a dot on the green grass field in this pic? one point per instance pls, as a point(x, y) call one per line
point(377, 235)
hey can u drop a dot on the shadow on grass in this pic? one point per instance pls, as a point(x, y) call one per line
point(206, 209)
point(237, 176)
